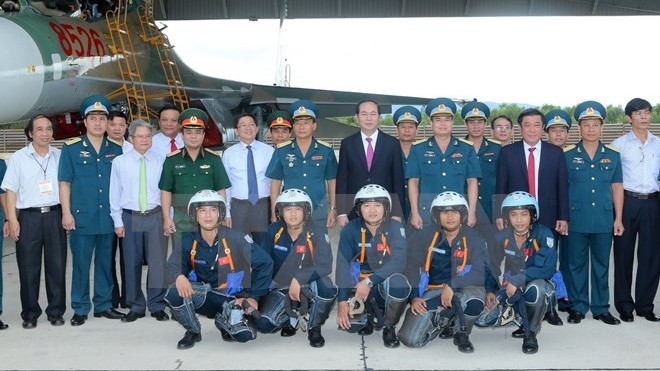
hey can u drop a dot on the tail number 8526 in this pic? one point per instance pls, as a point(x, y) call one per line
point(76, 39)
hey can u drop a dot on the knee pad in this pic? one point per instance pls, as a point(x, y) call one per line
point(473, 307)
point(273, 312)
point(416, 331)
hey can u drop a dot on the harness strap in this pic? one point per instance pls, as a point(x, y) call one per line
point(193, 253)
point(228, 253)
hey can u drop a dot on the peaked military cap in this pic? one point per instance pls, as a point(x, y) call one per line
point(303, 108)
point(95, 104)
point(589, 109)
point(557, 117)
point(279, 118)
point(407, 114)
point(193, 118)
point(439, 106)
point(475, 109)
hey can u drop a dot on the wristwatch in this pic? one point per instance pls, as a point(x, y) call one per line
point(369, 283)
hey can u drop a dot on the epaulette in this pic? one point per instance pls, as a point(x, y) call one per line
point(212, 152)
point(284, 144)
point(420, 141)
point(465, 141)
point(324, 143)
point(569, 147)
point(174, 153)
point(114, 141)
point(613, 148)
point(494, 141)
point(73, 141)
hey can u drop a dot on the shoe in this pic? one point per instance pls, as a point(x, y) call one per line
point(650, 316)
point(575, 317)
point(608, 318)
point(132, 317)
point(78, 319)
point(563, 305)
point(109, 314)
point(189, 340)
point(553, 318)
point(627, 316)
point(56, 320)
point(519, 333)
point(288, 331)
point(462, 340)
point(226, 337)
point(30, 324)
point(315, 338)
point(389, 337)
point(530, 345)
point(160, 315)
point(3, 326)
point(366, 330)
point(447, 333)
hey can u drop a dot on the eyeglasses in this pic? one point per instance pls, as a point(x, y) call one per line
point(502, 128)
point(140, 137)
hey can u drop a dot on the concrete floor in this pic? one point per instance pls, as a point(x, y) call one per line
point(103, 344)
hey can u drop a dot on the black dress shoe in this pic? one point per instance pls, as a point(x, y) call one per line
point(462, 340)
point(288, 331)
point(553, 318)
point(519, 333)
point(189, 339)
point(30, 324)
point(366, 330)
point(56, 320)
point(575, 317)
point(132, 316)
point(563, 305)
point(530, 345)
point(650, 316)
point(160, 315)
point(109, 314)
point(315, 338)
point(627, 316)
point(389, 337)
point(78, 319)
point(3, 326)
point(608, 318)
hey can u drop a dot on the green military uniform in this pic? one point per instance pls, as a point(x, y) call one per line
point(590, 226)
point(183, 177)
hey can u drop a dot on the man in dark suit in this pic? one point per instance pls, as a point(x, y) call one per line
point(537, 167)
point(368, 157)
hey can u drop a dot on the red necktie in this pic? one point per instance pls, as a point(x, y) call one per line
point(531, 178)
point(370, 154)
point(172, 145)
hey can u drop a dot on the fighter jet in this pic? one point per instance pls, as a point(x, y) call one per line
point(49, 63)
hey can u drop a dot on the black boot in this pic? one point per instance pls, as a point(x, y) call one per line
point(189, 340)
point(315, 338)
point(530, 345)
point(389, 337)
point(462, 340)
point(553, 318)
point(287, 330)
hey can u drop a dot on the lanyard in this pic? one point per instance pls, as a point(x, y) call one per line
point(536, 246)
point(386, 249)
point(427, 266)
point(44, 169)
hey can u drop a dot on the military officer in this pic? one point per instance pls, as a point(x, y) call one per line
point(187, 171)
point(441, 163)
point(476, 115)
point(557, 126)
point(406, 119)
point(595, 184)
point(279, 123)
point(306, 163)
point(84, 180)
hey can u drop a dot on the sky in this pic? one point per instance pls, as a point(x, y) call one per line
point(528, 60)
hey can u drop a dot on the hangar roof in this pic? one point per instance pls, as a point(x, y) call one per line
point(273, 9)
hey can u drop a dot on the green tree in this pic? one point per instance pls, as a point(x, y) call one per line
point(510, 110)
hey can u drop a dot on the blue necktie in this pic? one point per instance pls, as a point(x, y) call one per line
point(253, 189)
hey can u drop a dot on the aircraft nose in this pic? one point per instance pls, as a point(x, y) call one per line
point(21, 72)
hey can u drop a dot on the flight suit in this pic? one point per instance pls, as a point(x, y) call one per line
point(590, 226)
point(308, 173)
point(439, 172)
point(88, 173)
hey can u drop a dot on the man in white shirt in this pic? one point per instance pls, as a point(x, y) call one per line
point(32, 188)
point(246, 163)
point(640, 157)
point(138, 220)
point(169, 139)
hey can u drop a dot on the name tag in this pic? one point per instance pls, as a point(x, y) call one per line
point(509, 252)
point(440, 251)
point(200, 262)
point(281, 248)
point(46, 187)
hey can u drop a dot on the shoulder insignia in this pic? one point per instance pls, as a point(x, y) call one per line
point(324, 143)
point(494, 141)
point(284, 144)
point(73, 141)
point(420, 141)
point(113, 141)
point(212, 152)
point(174, 153)
point(569, 147)
point(466, 141)
point(613, 148)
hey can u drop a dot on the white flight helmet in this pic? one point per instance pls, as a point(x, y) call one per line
point(293, 197)
point(373, 192)
point(520, 200)
point(206, 197)
point(449, 201)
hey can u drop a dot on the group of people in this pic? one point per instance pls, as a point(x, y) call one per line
point(460, 231)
